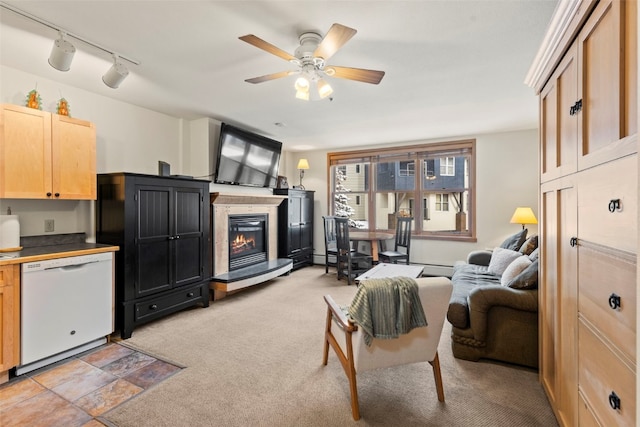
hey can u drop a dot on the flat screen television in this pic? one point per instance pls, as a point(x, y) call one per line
point(245, 158)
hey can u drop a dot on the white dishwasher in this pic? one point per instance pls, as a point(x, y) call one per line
point(66, 308)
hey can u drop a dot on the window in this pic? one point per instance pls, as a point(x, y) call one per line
point(448, 166)
point(372, 187)
point(442, 202)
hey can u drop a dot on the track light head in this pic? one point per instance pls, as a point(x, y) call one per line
point(116, 74)
point(61, 53)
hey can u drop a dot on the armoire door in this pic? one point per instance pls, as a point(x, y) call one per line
point(188, 237)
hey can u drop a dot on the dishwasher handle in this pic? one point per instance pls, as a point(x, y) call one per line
point(72, 266)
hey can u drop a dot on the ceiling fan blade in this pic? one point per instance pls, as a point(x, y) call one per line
point(268, 77)
point(358, 74)
point(266, 46)
point(335, 38)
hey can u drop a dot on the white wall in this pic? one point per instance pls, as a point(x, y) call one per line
point(506, 177)
point(134, 139)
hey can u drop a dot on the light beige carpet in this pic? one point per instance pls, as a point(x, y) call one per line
point(255, 359)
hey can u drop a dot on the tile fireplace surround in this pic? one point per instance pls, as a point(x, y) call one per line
point(224, 205)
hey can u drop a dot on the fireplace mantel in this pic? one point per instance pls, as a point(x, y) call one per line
point(245, 199)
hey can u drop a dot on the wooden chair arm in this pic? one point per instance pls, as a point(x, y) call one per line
point(343, 321)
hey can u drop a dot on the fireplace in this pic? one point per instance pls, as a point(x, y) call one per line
point(244, 241)
point(248, 237)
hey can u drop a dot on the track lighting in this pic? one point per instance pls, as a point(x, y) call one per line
point(116, 74)
point(61, 53)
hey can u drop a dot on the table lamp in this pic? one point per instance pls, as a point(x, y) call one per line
point(303, 164)
point(523, 215)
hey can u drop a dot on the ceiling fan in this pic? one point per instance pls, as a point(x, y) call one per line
point(311, 60)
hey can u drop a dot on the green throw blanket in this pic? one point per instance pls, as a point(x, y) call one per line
point(387, 308)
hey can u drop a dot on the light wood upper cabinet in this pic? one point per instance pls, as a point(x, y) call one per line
point(46, 156)
point(9, 319)
point(588, 107)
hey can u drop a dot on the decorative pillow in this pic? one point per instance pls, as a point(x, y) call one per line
point(516, 267)
point(514, 242)
point(534, 255)
point(500, 260)
point(528, 279)
point(529, 245)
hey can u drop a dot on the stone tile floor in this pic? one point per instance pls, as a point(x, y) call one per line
point(78, 390)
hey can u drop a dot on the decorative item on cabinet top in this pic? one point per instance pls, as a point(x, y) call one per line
point(33, 100)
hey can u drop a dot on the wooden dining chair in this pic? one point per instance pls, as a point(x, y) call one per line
point(330, 243)
point(351, 263)
point(402, 244)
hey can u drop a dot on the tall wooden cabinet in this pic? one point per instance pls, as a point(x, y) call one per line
point(589, 216)
point(9, 319)
point(45, 155)
point(162, 228)
point(295, 226)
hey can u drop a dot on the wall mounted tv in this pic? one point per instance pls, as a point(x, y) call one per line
point(245, 158)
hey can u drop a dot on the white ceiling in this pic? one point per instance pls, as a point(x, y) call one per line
point(453, 67)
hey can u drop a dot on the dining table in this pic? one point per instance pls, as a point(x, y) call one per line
point(375, 238)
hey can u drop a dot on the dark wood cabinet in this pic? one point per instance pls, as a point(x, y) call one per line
point(162, 228)
point(295, 226)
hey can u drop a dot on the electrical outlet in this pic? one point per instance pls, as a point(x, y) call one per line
point(49, 225)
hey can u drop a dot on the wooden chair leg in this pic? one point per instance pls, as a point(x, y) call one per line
point(437, 375)
point(327, 332)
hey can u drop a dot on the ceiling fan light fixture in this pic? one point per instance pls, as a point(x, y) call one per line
point(61, 53)
point(324, 89)
point(302, 94)
point(302, 84)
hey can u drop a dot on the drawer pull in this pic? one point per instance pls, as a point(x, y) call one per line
point(573, 242)
point(153, 307)
point(72, 332)
point(614, 205)
point(614, 401)
point(190, 294)
point(614, 301)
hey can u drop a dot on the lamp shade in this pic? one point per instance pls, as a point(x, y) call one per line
point(523, 215)
point(303, 164)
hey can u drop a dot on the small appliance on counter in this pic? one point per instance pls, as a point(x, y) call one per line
point(9, 232)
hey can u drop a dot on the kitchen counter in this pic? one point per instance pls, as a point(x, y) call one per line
point(40, 253)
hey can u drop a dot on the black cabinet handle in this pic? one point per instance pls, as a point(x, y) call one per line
point(57, 194)
point(73, 332)
point(573, 242)
point(177, 237)
point(171, 237)
point(614, 301)
point(153, 307)
point(49, 194)
point(614, 205)
point(190, 294)
point(614, 401)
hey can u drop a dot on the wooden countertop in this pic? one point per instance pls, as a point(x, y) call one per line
point(40, 253)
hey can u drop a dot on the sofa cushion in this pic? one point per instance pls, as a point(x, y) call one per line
point(527, 279)
point(515, 241)
point(529, 245)
point(516, 267)
point(500, 260)
point(534, 255)
point(465, 278)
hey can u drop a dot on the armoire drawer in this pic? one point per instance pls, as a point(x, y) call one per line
point(603, 379)
point(607, 294)
point(607, 204)
point(585, 416)
point(170, 302)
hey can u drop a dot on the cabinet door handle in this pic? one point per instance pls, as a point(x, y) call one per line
point(614, 205)
point(614, 301)
point(573, 242)
point(153, 307)
point(49, 194)
point(178, 236)
point(171, 237)
point(57, 194)
point(614, 401)
point(190, 294)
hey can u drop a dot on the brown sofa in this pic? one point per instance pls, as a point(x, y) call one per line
point(492, 317)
